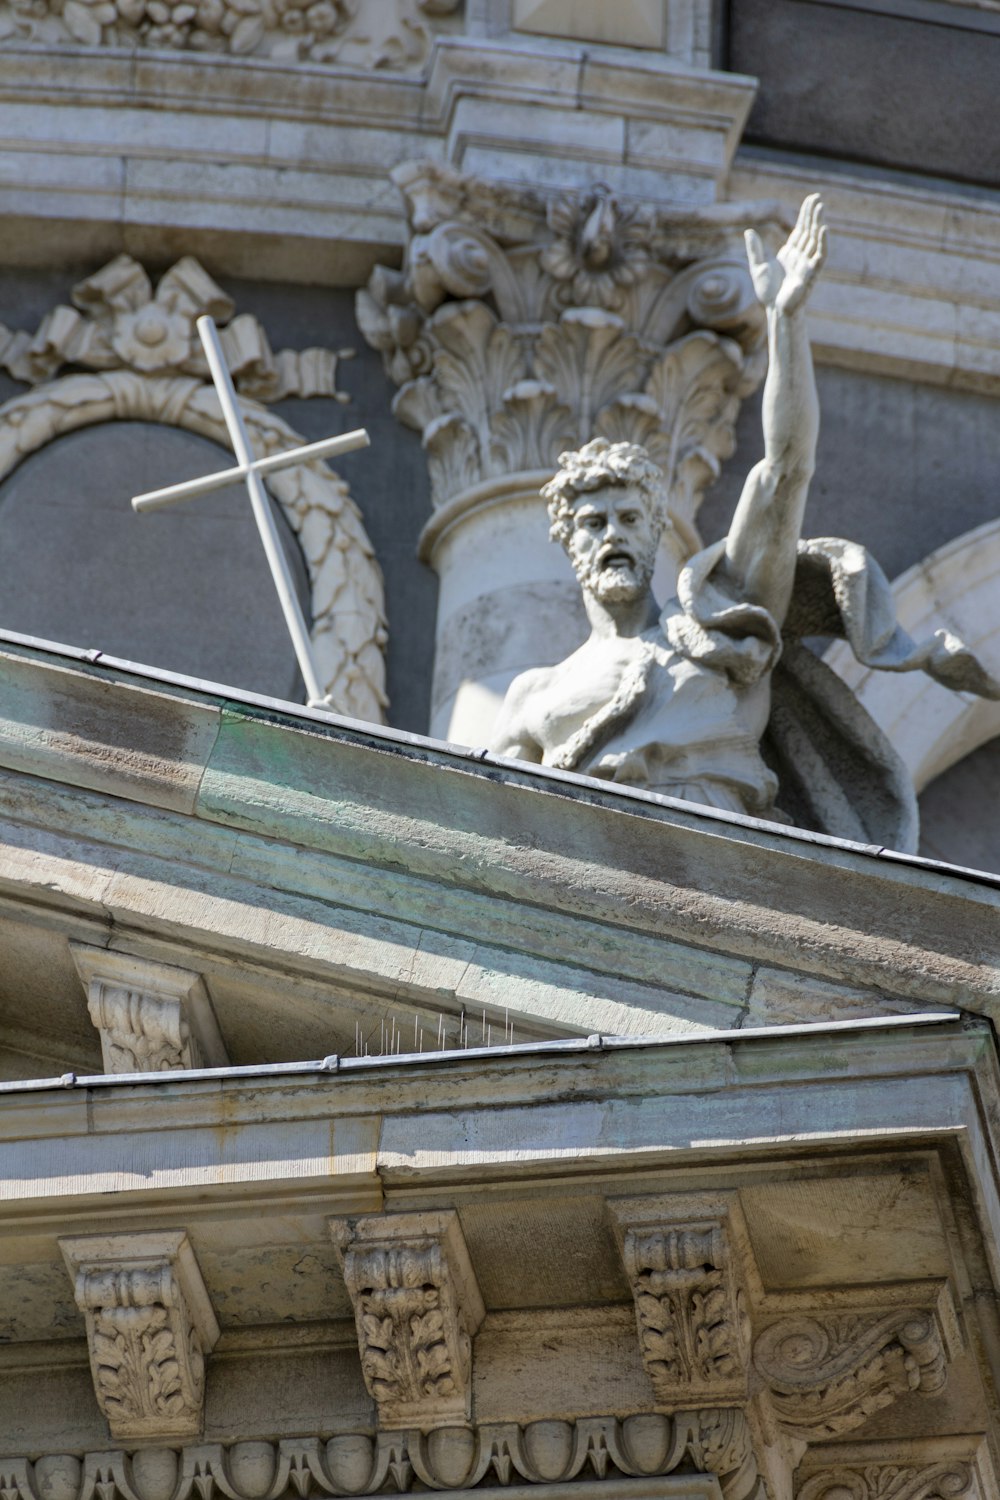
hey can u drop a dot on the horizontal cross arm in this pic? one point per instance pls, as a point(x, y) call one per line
point(190, 489)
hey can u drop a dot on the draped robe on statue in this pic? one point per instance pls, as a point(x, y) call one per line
point(725, 708)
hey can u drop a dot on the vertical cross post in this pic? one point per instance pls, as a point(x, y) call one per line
point(251, 470)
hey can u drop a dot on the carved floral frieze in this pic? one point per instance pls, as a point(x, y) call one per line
point(150, 1327)
point(392, 35)
point(519, 326)
point(417, 1308)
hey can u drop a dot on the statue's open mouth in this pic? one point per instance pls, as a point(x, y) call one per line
point(617, 559)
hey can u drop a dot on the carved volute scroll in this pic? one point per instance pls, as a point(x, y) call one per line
point(828, 1370)
point(150, 1327)
point(151, 1017)
point(417, 1308)
point(137, 357)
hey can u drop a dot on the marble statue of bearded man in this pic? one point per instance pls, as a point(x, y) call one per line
point(714, 698)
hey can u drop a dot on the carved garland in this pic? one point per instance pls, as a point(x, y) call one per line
point(346, 585)
point(392, 35)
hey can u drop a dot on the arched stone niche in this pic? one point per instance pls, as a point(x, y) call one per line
point(956, 587)
point(185, 589)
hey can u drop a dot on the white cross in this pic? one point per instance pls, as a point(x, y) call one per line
point(250, 470)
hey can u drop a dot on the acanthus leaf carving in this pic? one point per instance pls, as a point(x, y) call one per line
point(828, 1372)
point(151, 1017)
point(589, 296)
point(150, 1327)
point(688, 1286)
point(417, 1308)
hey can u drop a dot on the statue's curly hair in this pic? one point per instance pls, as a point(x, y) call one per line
point(596, 464)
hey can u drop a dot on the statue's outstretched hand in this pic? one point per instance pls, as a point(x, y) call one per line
point(784, 281)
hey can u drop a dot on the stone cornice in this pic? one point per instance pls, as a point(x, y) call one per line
point(242, 794)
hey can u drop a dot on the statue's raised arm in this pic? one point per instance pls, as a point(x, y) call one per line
point(760, 556)
point(714, 698)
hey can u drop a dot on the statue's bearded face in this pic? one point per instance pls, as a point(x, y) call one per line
point(613, 543)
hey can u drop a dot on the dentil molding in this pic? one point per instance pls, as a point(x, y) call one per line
point(150, 1327)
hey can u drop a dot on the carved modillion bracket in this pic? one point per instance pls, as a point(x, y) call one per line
point(846, 1353)
point(151, 1016)
point(688, 1262)
point(150, 1327)
point(417, 1308)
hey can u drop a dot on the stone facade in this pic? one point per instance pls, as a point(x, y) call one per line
point(378, 1116)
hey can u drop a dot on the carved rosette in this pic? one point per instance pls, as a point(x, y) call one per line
point(827, 1372)
point(150, 1326)
point(520, 327)
point(151, 1017)
point(417, 1308)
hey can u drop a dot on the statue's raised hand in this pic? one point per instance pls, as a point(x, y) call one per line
point(783, 281)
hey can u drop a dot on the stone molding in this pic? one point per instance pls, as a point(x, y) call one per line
point(417, 1308)
point(150, 1327)
point(150, 1016)
point(688, 1263)
point(828, 1369)
point(596, 1452)
point(391, 35)
point(520, 326)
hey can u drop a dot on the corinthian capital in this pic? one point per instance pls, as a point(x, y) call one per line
point(521, 326)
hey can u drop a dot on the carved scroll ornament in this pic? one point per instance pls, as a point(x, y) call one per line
point(148, 366)
point(828, 1373)
point(935, 1481)
point(519, 327)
